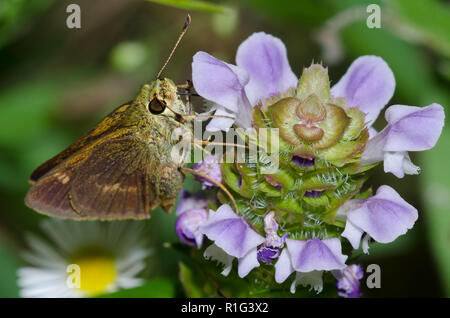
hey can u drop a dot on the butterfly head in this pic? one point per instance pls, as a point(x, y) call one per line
point(160, 98)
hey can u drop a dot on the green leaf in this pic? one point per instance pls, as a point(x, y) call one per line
point(16, 15)
point(402, 245)
point(25, 111)
point(308, 12)
point(226, 24)
point(304, 12)
point(201, 277)
point(156, 288)
point(8, 278)
point(416, 84)
point(128, 56)
point(193, 5)
point(191, 285)
point(429, 19)
point(436, 194)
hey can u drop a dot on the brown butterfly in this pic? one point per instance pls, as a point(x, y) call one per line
point(122, 168)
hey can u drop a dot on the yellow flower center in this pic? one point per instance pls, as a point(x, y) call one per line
point(97, 271)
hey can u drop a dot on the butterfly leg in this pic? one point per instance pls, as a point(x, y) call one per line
point(187, 87)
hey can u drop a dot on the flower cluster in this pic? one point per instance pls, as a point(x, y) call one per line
point(301, 216)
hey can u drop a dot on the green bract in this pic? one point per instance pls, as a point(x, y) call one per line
point(314, 128)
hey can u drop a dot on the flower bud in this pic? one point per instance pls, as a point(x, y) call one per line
point(210, 167)
point(188, 224)
point(348, 281)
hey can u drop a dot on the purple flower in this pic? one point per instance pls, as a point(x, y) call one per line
point(271, 229)
point(409, 129)
point(270, 250)
point(348, 281)
point(384, 217)
point(192, 202)
point(314, 193)
point(233, 238)
point(315, 254)
point(303, 162)
point(309, 259)
point(262, 71)
point(210, 166)
point(188, 224)
point(369, 85)
point(192, 212)
point(268, 254)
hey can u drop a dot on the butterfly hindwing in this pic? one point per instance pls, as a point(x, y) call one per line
point(50, 193)
point(115, 180)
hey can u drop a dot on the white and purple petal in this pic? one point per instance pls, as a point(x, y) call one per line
point(218, 81)
point(215, 253)
point(399, 163)
point(368, 84)
point(230, 232)
point(316, 254)
point(309, 259)
point(409, 128)
point(264, 57)
point(312, 279)
point(221, 123)
point(384, 217)
point(248, 262)
point(283, 267)
point(223, 84)
point(413, 128)
point(353, 234)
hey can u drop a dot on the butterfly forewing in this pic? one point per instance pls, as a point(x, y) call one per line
point(106, 126)
point(115, 181)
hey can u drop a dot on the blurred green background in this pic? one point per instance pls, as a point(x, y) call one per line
point(55, 83)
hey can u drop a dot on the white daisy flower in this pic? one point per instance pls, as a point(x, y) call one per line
point(83, 259)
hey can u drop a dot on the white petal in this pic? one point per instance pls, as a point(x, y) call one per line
point(312, 279)
point(283, 267)
point(393, 162)
point(365, 243)
point(248, 262)
point(219, 123)
point(216, 253)
point(353, 234)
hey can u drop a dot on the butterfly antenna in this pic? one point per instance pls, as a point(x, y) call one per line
point(180, 118)
point(185, 27)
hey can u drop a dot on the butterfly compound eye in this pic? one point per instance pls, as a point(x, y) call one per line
point(156, 107)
